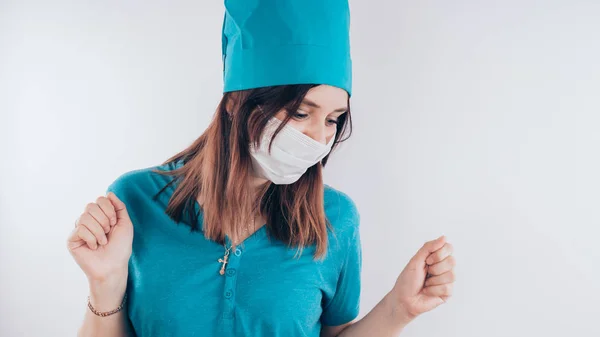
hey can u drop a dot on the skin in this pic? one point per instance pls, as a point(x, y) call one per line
point(428, 278)
point(101, 243)
point(316, 118)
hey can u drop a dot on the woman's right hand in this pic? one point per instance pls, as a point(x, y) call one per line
point(101, 242)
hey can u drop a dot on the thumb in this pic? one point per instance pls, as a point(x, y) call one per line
point(429, 247)
point(119, 206)
point(432, 301)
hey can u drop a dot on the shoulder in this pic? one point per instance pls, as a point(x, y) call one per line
point(140, 182)
point(341, 211)
point(344, 217)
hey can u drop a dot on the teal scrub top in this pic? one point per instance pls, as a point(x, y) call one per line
point(175, 289)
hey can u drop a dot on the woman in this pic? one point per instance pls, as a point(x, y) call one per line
point(237, 235)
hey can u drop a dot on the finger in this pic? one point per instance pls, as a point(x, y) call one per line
point(74, 241)
point(442, 267)
point(447, 277)
point(82, 233)
point(120, 208)
point(94, 227)
point(94, 210)
point(108, 209)
point(418, 261)
point(440, 254)
point(439, 290)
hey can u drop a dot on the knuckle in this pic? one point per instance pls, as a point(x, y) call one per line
point(112, 209)
point(96, 227)
point(84, 219)
point(90, 206)
point(105, 223)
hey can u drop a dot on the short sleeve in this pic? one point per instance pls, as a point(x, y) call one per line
point(128, 185)
point(344, 306)
point(120, 185)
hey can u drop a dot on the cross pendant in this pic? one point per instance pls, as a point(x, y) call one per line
point(224, 262)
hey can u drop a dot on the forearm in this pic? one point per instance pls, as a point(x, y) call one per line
point(106, 296)
point(387, 319)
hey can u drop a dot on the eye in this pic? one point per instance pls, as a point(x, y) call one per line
point(332, 122)
point(298, 115)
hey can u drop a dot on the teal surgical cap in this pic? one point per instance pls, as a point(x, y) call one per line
point(279, 42)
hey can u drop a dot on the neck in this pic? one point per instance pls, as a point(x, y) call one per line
point(256, 182)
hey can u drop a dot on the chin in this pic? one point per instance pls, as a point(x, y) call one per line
point(285, 182)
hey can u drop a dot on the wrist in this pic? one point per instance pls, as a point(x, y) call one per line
point(107, 293)
point(114, 277)
point(398, 309)
point(104, 300)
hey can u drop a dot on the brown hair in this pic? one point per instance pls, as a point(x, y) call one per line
point(217, 168)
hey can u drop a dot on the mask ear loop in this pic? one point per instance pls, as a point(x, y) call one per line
point(297, 134)
point(271, 121)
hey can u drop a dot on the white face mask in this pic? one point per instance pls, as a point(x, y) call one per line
point(291, 155)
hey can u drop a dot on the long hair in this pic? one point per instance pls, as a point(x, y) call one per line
point(217, 167)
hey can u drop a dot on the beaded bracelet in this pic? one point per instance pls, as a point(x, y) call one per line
point(108, 313)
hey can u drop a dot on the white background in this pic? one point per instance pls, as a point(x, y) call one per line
point(474, 119)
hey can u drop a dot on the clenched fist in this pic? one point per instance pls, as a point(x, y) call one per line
point(102, 238)
point(427, 280)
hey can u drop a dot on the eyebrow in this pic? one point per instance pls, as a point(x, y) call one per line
point(315, 105)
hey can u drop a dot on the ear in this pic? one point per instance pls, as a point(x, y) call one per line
point(232, 102)
point(229, 104)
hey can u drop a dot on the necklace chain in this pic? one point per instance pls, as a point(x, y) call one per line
point(225, 258)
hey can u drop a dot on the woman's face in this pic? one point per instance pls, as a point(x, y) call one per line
point(318, 114)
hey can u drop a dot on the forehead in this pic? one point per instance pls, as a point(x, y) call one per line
point(328, 97)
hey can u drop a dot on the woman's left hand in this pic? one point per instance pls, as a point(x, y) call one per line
point(427, 280)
